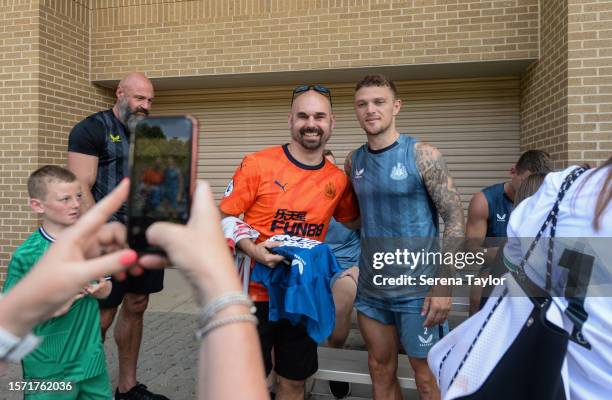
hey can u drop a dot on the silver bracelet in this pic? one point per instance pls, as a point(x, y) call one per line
point(221, 302)
point(201, 332)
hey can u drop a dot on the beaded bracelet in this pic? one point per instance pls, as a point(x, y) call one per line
point(203, 331)
point(221, 302)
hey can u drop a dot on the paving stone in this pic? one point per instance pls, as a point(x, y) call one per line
point(169, 358)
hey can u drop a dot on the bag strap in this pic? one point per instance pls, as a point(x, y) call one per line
point(575, 310)
point(551, 220)
point(542, 298)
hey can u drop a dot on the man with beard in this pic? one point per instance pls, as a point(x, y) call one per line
point(401, 185)
point(290, 189)
point(98, 155)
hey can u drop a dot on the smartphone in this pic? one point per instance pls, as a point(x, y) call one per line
point(162, 164)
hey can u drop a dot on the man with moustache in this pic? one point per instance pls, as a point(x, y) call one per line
point(98, 148)
point(290, 189)
point(401, 185)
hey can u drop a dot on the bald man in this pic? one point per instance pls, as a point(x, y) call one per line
point(290, 189)
point(98, 155)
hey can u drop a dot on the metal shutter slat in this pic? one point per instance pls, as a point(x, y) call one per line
point(474, 122)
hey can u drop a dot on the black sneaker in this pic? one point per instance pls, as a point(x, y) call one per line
point(340, 390)
point(139, 392)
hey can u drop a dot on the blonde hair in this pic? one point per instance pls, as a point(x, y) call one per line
point(528, 187)
point(39, 179)
point(604, 196)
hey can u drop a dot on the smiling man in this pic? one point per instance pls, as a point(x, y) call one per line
point(290, 189)
point(401, 185)
point(98, 149)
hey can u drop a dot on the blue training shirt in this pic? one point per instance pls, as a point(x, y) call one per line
point(301, 292)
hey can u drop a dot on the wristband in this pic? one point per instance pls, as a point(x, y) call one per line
point(200, 333)
point(13, 348)
point(207, 323)
point(223, 301)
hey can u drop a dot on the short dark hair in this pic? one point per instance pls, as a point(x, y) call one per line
point(328, 152)
point(39, 179)
point(377, 80)
point(534, 161)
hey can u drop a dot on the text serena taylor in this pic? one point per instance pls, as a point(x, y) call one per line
point(424, 280)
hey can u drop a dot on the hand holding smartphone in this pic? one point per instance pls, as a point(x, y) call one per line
point(163, 155)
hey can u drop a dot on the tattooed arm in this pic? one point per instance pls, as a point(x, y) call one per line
point(442, 190)
point(356, 224)
point(348, 164)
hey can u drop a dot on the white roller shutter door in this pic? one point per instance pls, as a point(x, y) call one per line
point(474, 123)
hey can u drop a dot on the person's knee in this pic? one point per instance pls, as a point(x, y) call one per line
point(424, 378)
point(341, 329)
point(344, 317)
point(135, 303)
point(426, 386)
point(107, 315)
point(382, 368)
point(344, 308)
point(344, 291)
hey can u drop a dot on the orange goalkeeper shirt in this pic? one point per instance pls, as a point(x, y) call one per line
point(279, 195)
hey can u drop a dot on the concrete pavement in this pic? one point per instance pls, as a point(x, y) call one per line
point(169, 351)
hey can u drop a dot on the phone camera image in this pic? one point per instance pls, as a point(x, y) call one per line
point(160, 168)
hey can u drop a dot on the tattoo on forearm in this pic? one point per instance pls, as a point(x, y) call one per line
point(348, 163)
point(442, 189)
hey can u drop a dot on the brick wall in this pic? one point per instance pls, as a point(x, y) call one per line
point(544, 87)
point(589, 81)
point(182, 38)
point(566, 95)
point(66, 93)
point(44, 89)
point(19, 106)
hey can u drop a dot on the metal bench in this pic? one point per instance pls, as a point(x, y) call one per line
point(352, 365)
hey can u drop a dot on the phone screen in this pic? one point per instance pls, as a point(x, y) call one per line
point(161, 163)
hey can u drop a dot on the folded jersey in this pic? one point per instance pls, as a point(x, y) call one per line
point(300, 291)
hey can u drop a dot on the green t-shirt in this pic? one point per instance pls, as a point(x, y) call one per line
point(71, 349)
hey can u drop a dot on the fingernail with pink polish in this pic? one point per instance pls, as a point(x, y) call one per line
point(128, 258)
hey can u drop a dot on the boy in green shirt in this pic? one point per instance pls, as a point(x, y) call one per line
point(70, 359)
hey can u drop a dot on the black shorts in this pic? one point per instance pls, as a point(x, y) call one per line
point(151, 281)
point(295, 353)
